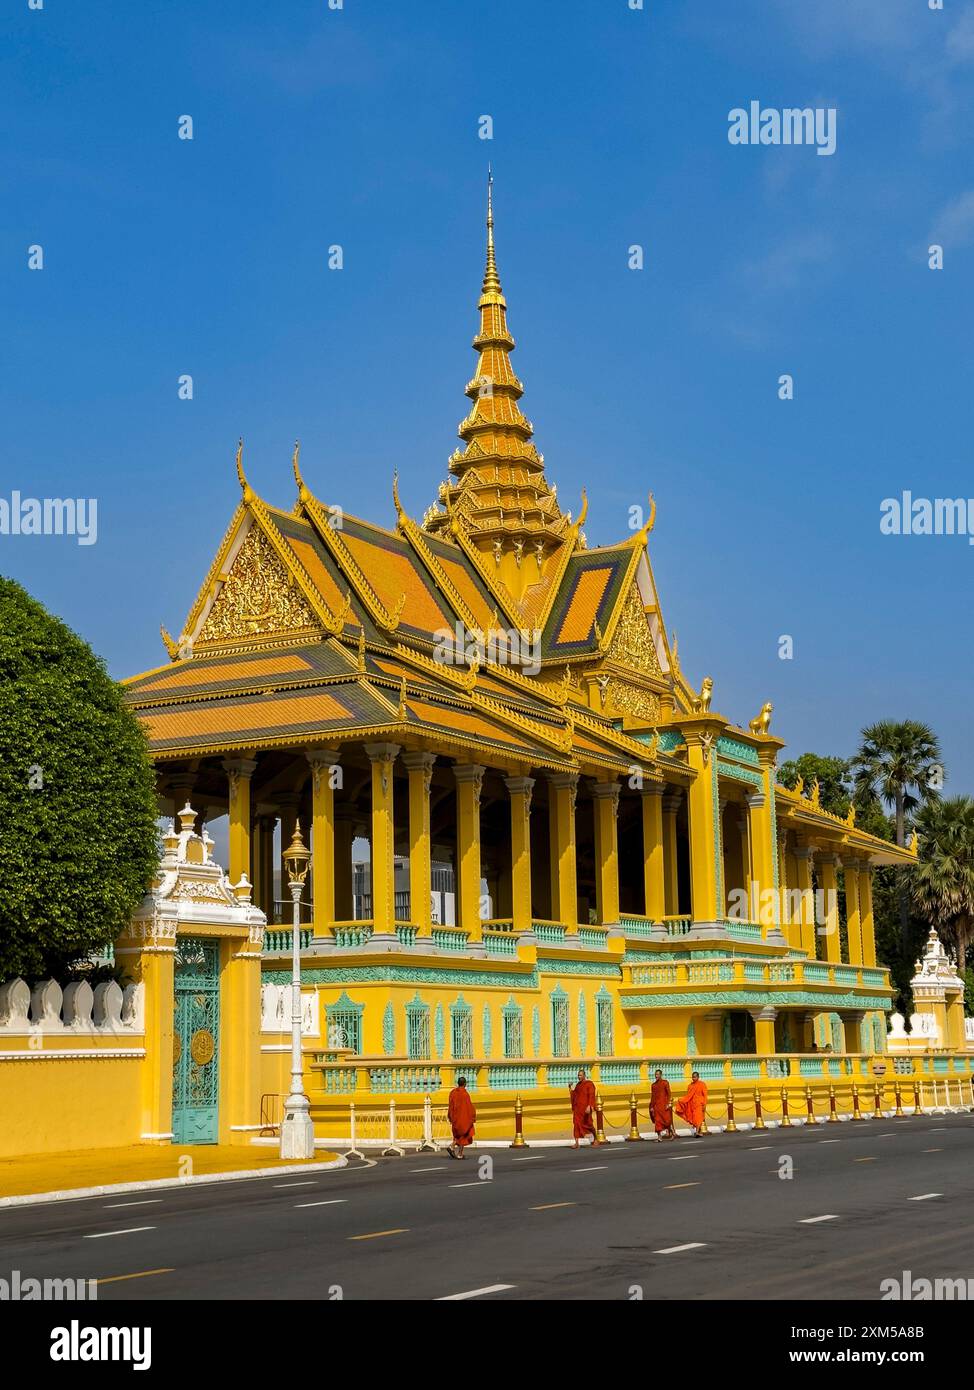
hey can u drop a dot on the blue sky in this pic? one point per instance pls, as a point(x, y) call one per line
point(359, 127)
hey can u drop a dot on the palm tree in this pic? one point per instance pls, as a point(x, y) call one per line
point(943, 881)
point(896, 760)
point(895, 764)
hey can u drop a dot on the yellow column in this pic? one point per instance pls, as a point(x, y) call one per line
point(564, 885)
point(851, 1031)
point(791, 931)
point(520, 789)
point(382, 756)
point(671, 879)
point(852, 911)
point(152, 962)
point(344, 836)
point(606, 810)
point(764, 849)
point(470, 777)
point(806, 930)
point(325, 775)
point(866, 924)
point(654, 858)
point(419, 765)
point(764, 1042)
point(701, 737)
point(239, 772)
point(240, 1033)
point(829, 930)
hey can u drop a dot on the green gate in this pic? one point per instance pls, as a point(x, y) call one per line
point(196, 1032)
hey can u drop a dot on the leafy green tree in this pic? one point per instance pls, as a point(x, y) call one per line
point(832, 775)
point(78, 840)
point(943, 880)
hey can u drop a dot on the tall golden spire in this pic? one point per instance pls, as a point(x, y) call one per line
point(500, 497)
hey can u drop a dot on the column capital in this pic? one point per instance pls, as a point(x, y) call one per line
point(239, 767)
point(755, 799)
point(672, 801)
point(563, 781)
point(382, 752)
point(418, 760)
point(607, 791)
point(323, 756)
point(653, 786)
point(766, 1014)
point(469, 772)
point(519, 786)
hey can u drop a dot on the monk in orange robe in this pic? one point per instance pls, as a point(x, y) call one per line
point(693, 1106)
point(583, 1107)
point(461, 1113)
point(661, 1107)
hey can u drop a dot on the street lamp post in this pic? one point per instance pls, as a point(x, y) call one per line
point(297, 1130)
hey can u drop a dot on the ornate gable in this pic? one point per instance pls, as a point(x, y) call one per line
point(258, 597)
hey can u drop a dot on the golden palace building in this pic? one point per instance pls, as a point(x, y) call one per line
point(493, 705)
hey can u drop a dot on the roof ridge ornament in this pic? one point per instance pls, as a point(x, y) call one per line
point(247, 490)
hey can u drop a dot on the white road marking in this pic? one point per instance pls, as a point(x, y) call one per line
point(675, 1249)
point(147, 1202)
point(530, 1158)
point(440, 1168)
point(812, 1220)
point(830, 1141)
point(479, 1183)
point(332, 1202)
point(925, 1197)
point(600, 1168)
point(308, 1182)
point(679, 1158)
point(129, 1231)
point(473, 1293)
point(759, 1149)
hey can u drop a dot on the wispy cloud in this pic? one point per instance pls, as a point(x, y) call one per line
point(954, 224)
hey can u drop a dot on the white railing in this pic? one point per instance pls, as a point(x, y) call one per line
point(47, 1009)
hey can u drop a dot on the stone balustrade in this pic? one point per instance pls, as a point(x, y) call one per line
point(48, 1009)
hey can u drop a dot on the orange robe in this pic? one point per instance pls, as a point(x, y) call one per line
point(661, 1105)
point(583, 1098)
point(693, 1105)
point(461, 1112)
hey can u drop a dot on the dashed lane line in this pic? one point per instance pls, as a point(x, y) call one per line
point(142, 1274)
point(377, 1235)
point(598, 1168)
point(328, 1202)
point(308, 1182)
point(672, 1186)
point(147, 1202)
point(473, 1293)
point(814, 1220)
point(677, 1249)
point(925, 1197)
point(129, 1231)
point(550, 1206)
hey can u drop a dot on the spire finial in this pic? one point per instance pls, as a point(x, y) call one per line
point(303, 493)
point(492, 284)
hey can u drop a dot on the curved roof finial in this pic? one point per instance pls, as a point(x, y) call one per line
point(241, 476)
point(395, 494)
point(303, 493)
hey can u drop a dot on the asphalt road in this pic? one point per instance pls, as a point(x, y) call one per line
point(704, 1219)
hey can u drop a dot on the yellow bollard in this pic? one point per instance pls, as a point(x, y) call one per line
point(518, 1125)
point(856, 1112)
point(898, 1093)
point(833, 1114)
point(731, 1126)
point(759, 1118)
point(785, 1117)
point(599, 1122)
point(633, 1136)
point(877, 1102)
point(809, 1105)
point(917, 1108)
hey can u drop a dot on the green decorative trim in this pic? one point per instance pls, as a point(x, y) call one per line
point(718, 847)
point(668, 740)
point(582, 1024)
point(487, 1031)
point(741, 774)
point(439, 1030)
point(389, 1031)
point(536, 1030)
point(405, 974)
point(752, 999)
point(733, 748)
point(577, 967)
